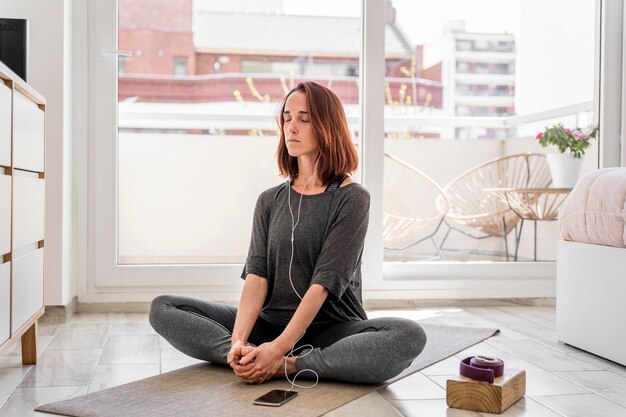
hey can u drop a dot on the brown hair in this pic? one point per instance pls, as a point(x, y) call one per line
point(337, 153)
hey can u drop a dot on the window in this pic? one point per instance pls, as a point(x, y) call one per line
point(180, 66)
point(419, 124)
point(195, 152)
point(476, 61)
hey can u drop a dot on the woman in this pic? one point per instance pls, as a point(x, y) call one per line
point(302, 274)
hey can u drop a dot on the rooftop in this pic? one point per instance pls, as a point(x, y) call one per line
point(285, 34)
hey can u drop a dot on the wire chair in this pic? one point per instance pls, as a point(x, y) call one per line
point(474, 208)
point(414, 206)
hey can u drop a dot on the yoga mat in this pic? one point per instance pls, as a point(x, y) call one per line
point(208, 390)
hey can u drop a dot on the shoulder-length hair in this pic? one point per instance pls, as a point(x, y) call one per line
point(337, 153)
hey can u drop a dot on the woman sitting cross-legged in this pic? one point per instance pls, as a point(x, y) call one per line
point(303, 270)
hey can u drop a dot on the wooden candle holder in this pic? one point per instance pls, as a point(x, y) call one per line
point(468, 394)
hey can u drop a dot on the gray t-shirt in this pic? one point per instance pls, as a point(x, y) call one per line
point(328, 246)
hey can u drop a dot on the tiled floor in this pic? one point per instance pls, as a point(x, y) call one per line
point(98, 351)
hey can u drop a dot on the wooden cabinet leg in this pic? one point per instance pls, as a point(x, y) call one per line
point(29, 345)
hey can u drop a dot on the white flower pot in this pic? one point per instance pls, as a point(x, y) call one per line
point(564, 169)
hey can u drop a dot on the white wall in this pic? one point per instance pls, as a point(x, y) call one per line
point(555, 54)
point(48, 58)
point(79, 154)
point(167, 179)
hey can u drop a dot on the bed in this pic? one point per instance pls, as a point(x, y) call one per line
point(591, 266)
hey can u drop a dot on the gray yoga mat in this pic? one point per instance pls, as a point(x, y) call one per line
point(207, 390)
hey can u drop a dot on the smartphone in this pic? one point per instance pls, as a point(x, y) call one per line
point(275, 398)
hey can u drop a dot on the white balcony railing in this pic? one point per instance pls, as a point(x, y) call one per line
point(262, 116)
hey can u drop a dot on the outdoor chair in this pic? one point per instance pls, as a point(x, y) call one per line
point(479, 213)
point(414, 206)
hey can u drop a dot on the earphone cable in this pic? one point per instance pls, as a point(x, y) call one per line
point(294, 223)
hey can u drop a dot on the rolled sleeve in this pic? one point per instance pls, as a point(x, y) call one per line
point(256, 262)
point(256, 265)
point(332, 281)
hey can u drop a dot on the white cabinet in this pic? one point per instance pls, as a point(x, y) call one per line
point(27, 287)
point(22, 213)
point(5, 125)
point(28, 209)
point(5, 301)
point(5, 214)
point(28, 134)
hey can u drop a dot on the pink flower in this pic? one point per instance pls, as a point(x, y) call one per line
point(568, 131)
point(539, 136)
point(578, 135)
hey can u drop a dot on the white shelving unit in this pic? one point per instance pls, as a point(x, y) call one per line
point(22, 209)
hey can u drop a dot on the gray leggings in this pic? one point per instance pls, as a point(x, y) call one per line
point(366, 351)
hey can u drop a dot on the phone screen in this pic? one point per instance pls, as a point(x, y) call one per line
point(275, 397)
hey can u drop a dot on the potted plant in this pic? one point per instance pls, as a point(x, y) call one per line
point(571, 145)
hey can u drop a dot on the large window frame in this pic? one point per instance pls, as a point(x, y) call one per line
point(107, 281)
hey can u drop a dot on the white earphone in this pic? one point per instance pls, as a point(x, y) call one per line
point(294, 223)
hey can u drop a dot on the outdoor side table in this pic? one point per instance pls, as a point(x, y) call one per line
point(536, 204)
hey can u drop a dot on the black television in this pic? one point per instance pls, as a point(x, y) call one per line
point(14, 45)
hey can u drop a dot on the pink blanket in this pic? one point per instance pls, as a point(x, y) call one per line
point(595, 211)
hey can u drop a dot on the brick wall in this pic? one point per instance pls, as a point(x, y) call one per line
point(154, 50)
point(156, 31)
point(170, 15)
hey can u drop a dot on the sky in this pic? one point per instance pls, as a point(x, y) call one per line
point(423, 20)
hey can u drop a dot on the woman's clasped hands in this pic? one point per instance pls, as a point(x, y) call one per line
point(255, 365)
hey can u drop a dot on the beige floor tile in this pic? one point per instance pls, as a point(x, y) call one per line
point(504, 317)
point(10, 361)
point(24, 400)
point(10, 379)
point(370, 405)
point(172, 359)
point(48, 329)
point(448, 366)
point(62, 367)
point(131, 328)
point(584, 405)
point(413, 387)
point(540, 333)
point(164, 343)
point(109, 317)
point(543, 356)
point(605, 364)
point(440, 380)
point(131, 349)
point(543, 316)
point(429, 408)
point(526, 407)
point(13, 350)
point(604, 383)
point(108, 376)
point(80, 336)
